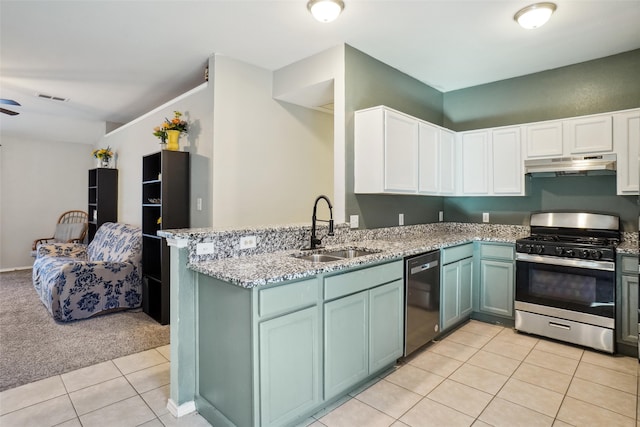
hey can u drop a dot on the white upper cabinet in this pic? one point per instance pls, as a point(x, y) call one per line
point(543, 139)
point(437, 160)
point(475, 163)
point(429, 148)
point(401, 153)
point(447, 162)
point(508, 174)
point(588, 135)
point(626, 138)
point(491, 163)
point(386, 152)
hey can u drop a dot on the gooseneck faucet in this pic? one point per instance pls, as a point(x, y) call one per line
point(314, 239)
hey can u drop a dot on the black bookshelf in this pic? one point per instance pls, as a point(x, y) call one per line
point(165, 205)
point(103, 199)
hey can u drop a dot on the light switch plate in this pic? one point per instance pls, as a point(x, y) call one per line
point(400, 219)
point(354, 221)
point(205, 248)
point(485, 216)
point(441, 216)
point(247, 242)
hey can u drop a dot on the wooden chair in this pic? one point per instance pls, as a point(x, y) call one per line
point(71, 228)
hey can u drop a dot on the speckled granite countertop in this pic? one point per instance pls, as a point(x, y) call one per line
point(257, 270)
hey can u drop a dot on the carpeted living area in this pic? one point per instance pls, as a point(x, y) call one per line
point(33, 346)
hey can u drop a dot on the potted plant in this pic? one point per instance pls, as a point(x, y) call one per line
point(170, 130)
point(104, 156)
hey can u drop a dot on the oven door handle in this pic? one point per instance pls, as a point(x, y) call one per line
point(567, 262)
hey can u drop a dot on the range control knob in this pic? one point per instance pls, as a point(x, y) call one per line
point(583, 253)
point(559, 250)
point(596, 254)
point(539, 249)
point(569, 253)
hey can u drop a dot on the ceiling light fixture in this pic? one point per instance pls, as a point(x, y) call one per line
point(325, 10)
point(535, 15)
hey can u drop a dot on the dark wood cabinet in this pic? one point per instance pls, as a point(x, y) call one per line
point(103, 199)
point(165, 205)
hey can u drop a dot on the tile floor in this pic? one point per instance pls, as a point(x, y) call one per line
point(480, 375)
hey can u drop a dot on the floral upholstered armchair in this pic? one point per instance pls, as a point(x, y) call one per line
point(76, 281)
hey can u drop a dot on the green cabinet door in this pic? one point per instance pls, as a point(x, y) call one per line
point(449, 295)
point(289, 366)
point(628, 306)
point(496, 287)
point(386, 325)
point(466, 278)
point(346, 344)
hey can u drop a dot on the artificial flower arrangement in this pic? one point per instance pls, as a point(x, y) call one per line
point(176, 123)
point(103, 153)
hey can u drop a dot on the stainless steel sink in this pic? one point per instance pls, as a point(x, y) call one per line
point(350, 253)
point(334, 254)
point(317, 257)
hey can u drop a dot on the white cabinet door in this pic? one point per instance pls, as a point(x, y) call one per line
point(543, 139)
point(507, 162)
point(626, 136)
point(588, 135)
point(447, 162)
point(401, 153)
point(475, 162)
point(429, 159)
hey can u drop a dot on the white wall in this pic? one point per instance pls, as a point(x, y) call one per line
point(271, 159)
point(135, 140)
point(39, 180)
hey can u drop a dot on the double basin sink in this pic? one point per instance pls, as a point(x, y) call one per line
point(328, 255)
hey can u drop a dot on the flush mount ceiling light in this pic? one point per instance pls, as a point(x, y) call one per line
point(535, 15)
point(325, 10)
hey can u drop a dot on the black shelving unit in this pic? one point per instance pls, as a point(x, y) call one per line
point(103, 199)
point(165, 205)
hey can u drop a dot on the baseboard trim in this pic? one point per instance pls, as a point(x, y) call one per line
point(6, 270)
point(182, 410)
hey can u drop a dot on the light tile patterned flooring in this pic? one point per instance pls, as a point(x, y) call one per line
point(480, 375)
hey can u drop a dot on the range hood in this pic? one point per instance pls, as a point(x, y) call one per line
point(602, 164)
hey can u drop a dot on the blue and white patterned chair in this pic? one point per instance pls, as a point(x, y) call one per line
point(76, 281)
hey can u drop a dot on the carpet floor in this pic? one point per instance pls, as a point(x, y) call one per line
point(33, 346)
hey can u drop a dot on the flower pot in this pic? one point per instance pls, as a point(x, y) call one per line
point(103, 162)
point(172, 140)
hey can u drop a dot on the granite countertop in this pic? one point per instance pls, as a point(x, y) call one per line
point(628, 247)
point(263, 269)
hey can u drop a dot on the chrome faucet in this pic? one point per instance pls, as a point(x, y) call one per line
point(315, 242)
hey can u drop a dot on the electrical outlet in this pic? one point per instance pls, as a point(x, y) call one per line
point(441, 216)
point(199, 204)
point(354, 221)
point(205, 248)
point(247, 242)
point(400, 219)
point(485, 216)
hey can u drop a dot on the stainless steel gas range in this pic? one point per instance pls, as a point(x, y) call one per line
point(565, 278)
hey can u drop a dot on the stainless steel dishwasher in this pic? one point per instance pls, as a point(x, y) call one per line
point(422, 300)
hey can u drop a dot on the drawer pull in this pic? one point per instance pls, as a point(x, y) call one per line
point(558, 325)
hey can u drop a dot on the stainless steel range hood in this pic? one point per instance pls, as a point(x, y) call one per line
point(602, 164)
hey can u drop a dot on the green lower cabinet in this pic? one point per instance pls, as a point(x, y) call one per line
point(289, 366)
point(455, 299)
point(386, 322)
point(627, 305)
point(346, 342)
point(496, 287)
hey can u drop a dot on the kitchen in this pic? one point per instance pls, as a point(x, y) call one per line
point(575, 192)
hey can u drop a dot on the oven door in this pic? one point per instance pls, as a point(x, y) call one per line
point(570, 284)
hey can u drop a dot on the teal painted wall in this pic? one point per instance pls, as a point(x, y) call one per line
point(576, 193)
point(597, 86)
point(368, 83)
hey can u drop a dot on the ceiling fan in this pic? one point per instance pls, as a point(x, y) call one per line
point(9, 102)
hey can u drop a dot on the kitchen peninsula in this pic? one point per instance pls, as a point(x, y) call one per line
point(262, 337)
